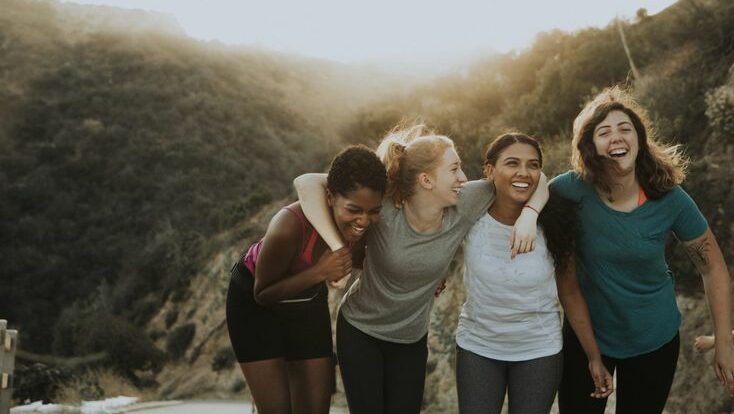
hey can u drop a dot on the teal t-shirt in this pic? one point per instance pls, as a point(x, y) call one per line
point(621, 265)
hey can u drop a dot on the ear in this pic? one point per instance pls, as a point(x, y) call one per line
point(425, 180)
point(329, 198)
point(489, 172)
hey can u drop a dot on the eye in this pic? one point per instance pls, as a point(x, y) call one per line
point(511, 163)
point(534, 165)
point(354, 210)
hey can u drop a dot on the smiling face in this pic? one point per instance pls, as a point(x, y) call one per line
point(615, 138)
point(515, 173)
point(447, 179)
point(354, 212)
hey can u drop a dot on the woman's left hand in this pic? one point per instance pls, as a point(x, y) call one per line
point(724, 364)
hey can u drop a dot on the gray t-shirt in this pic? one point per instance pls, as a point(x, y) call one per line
point(392, 300)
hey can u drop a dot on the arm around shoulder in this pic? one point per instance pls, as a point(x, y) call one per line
point(311, 189)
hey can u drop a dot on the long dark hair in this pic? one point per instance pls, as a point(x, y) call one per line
point(658, 167)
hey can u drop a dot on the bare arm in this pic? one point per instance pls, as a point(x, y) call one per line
point(526, 226)
point(311, 189)
point(281, 244)
point(577, 313)
point(706, 256)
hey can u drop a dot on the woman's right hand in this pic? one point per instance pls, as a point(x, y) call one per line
point(334, 265)
point(603, 381)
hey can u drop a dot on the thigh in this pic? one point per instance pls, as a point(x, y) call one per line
point(574, 393)
point(405, 376)
point(311, 383)
point(307, 328)
point(532, 384)
point(480, 383)
point(643, 382)
point(361, 366)
point(255, 332)
point(268, 383)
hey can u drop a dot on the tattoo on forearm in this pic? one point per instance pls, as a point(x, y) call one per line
point(699, 253)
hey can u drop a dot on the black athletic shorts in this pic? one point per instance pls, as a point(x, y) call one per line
point(294, 331)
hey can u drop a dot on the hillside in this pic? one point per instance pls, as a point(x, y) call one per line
point(124, 151)
point(136, 165)
point(686, 57)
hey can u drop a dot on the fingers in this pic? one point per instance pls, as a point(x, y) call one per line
point(719, 374)
point(513, 246)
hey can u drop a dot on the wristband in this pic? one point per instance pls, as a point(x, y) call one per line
point(532, 208)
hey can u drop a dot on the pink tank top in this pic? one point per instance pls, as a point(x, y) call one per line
point(300, 262)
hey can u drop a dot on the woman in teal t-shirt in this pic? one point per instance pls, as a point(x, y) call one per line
point(627, 185)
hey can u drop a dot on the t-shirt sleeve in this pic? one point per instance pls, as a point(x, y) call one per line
point(690, 223)
point(475, 198)
point(568, 185)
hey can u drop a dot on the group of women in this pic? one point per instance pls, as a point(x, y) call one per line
point(597, 262)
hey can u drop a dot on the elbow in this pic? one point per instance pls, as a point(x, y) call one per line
point(262, 298)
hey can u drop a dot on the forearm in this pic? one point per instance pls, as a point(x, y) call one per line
point(717, 285)
point(540, 196)
point(577, 314)
point(286, 287)
point(311, 189)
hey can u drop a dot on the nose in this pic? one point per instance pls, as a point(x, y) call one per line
point(363, 220)
point(462, 176)
point(616, 137)
point(523, 170)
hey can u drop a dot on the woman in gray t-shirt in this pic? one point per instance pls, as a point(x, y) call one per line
point(427, 211)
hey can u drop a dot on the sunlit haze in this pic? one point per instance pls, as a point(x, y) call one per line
point(386, 31)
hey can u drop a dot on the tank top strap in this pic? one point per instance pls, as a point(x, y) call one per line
point(307, 245)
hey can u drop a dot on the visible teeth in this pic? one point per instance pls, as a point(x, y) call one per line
point(619, 151)
point(358, 229)
point(521, 185)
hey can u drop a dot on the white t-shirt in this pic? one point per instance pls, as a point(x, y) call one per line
point(511, 311)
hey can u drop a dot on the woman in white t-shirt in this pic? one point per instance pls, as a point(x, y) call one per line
point(509, 334)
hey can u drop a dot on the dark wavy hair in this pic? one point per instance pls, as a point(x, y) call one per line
point(561, 227)
point(658, 167)
point(356, 166)
point(503, 141)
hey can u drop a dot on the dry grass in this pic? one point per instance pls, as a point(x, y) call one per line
point(98, 385)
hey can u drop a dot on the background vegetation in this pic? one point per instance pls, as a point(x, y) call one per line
point(125, 152)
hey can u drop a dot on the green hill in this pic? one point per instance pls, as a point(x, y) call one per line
point(123, 152)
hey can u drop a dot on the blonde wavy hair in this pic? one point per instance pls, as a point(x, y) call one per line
point(659, 167)
point(408, 152)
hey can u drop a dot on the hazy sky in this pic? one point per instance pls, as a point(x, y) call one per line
point(388, 30)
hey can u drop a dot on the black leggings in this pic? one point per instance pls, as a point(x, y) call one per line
point(643, 381)
point(380, 377)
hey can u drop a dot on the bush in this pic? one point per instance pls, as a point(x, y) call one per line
point(179, 340)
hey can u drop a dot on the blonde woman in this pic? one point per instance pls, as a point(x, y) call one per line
point(383, 322)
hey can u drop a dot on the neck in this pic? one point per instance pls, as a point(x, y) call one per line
point(624, 186)
point(423, 215)
point(505, 211)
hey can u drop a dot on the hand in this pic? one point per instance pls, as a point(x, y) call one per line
point(441, 287)
point(704, 343)
point(724, 364)
point(524, 232)
point(334, 265)
point(603, 381)
point(341, 283)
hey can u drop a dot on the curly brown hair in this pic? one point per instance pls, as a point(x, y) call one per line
point(659, 167)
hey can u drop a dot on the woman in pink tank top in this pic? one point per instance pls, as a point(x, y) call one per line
point(277, 309)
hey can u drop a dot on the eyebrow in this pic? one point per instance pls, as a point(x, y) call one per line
point(518, 159)
point(609, 126)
